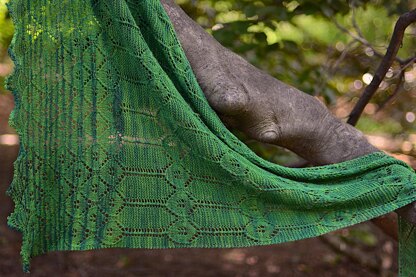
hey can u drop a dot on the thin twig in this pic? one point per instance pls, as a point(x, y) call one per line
point(403, 67)
point(402, 23)
point(359, 39)
point(395, 92)
point(342, 56)
point(355, 25)
point(408, 62)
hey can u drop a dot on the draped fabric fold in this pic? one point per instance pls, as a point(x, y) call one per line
point(120, 148)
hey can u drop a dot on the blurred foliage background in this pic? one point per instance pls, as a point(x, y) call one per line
point(6, 33)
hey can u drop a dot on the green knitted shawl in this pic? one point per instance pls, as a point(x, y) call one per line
point(120, 148)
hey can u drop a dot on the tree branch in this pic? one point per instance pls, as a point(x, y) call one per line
point(402, 23)
point(264, 108)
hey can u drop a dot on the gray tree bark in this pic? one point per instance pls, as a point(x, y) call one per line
point(266, 109)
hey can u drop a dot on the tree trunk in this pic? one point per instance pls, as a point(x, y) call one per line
point(266, 109)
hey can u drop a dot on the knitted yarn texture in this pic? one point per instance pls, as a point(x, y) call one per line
point(120, 148)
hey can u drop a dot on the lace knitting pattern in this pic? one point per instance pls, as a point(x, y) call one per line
point(120, 148)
